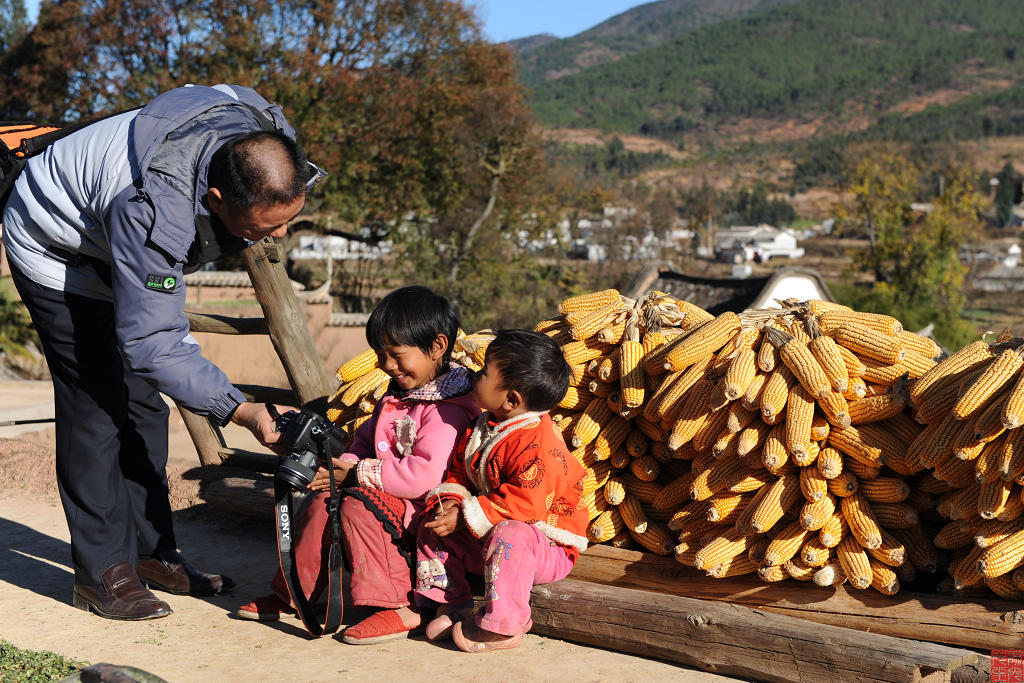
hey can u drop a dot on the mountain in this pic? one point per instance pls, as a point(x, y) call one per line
point(836, 65)
point(530, 43)
point(634, 30)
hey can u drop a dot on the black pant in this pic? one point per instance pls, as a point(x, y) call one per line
point(111, 434)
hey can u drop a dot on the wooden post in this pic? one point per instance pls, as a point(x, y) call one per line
point(287, 325)
point(207, 438)
point(737, 641)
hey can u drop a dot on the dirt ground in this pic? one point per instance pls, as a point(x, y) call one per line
point(201, 641)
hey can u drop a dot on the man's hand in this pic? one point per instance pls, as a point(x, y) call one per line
point(322, 479)
point(255, 418)
point(445, 523)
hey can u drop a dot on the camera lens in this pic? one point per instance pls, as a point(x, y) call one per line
point(298, 469)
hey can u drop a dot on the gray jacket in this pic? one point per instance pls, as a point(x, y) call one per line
point(112, 212)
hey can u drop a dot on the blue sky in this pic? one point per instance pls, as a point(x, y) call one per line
point(508, 19)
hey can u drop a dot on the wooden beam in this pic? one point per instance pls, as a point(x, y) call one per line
point(287, 325)
point(264, 394)
point(225, 324)
point(250, 460)
point(737, 641)
point(205, 436)
point(967, 622)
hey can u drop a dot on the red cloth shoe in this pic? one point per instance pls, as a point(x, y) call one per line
point(471, 638)
point(265, 608)
point(377, 628)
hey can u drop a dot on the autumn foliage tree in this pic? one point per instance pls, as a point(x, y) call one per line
point(912, 261)
point(420, 122)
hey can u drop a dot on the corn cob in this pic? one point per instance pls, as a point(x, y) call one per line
point(605, 526)
point(831, 574)
point(1011, 461)
point(876, 408)
point(614, 491)
point(856, 389)
point(633, 514)
point(863, 525)
point(862, 471)
point(836, 410)
point(361, 386)
point(884, 579)
point(645, 491)
point(814, 515)
point(813, 486)
point(885, 490)
point(844, 484)
point(654, 539)
point(964, 360)
point(830, 463)
point(1000, 372)
point(770, 503)
point(868, 343)
point(767, 357)
point(708, 338)
point(834, 530)
point(631, 373)
point(714, 478)
point(968, 568)
point(830, 321)
point(776, 393)
point(740, 374)
point(989, 533)
point(854, 561)
point(612, 434)
point(725, 546)
point(589, 424)
point(895, 515)
point(786, 544)
point(993, 498)
point(827, 353)
point(799, 415)
point(919, 548)
point(796, 356)
point(357, 366)
point(590, 302)
point(645, 468)
point(706, 435)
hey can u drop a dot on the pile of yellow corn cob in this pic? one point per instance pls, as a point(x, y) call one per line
point(973, 405)
point(775, 441)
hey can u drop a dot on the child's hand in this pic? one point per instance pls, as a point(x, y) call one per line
point(447, 523)
point(322, 481)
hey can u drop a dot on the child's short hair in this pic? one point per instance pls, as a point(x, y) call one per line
point(532, 364)
point(413, 316)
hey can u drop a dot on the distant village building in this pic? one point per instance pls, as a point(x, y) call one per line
point(755, 243)
point(336, 247)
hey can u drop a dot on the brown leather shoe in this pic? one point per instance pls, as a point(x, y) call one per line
point(171, 573)
point(120, 596)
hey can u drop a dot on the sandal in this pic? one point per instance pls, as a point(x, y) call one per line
point(471, 638)
point(377, 628)
point(265, 608)
point(440, 627)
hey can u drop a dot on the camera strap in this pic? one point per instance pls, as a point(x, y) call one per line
point(286, 529)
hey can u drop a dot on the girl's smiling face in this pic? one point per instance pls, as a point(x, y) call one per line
point(410, 366)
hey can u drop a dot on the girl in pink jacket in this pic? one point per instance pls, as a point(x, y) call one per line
point(397, 456)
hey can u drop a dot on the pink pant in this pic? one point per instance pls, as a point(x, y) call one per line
point(513, 557)
point(380, 574)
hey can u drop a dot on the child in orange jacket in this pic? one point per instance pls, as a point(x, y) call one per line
point(510, 503)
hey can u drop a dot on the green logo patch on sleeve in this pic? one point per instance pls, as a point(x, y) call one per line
point(161, 283)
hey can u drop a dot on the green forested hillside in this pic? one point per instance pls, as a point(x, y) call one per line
point(841, 60)
point(636, 29)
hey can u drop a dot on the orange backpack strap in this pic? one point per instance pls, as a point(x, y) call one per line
point(18, 137)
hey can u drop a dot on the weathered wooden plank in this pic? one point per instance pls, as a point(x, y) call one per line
point(735, 640)
point(287, 325)
point(968, 622)
point(250, 460)
point(225, 324)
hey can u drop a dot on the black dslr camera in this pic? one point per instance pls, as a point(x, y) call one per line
point(311, 440)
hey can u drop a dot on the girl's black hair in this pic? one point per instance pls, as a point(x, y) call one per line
point(413, 316)
point(532, 364)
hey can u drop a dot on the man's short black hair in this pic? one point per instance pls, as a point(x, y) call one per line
point(262, 168)
point(532, 364)
point(413, 316)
